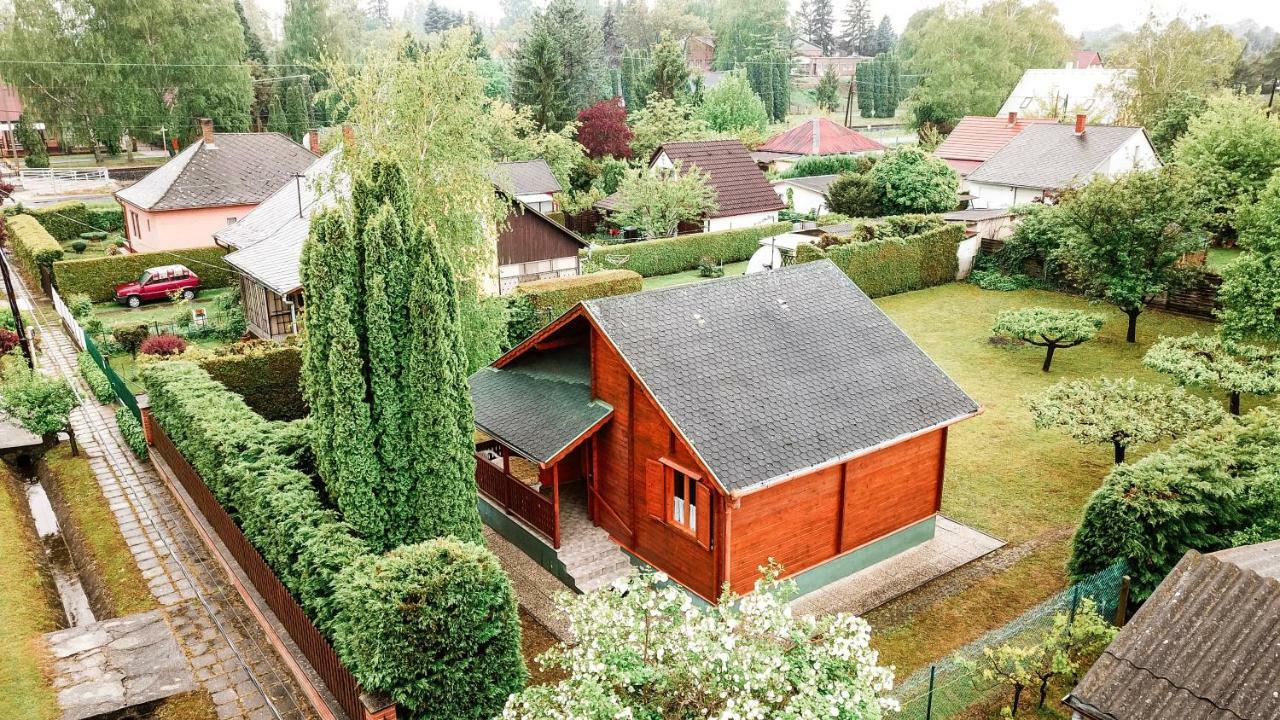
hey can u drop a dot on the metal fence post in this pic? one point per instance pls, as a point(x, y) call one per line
point(928, 705)
point(1075, 602)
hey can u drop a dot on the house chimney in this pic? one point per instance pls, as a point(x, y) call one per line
point(313, 141)
point(1080, 118)
point(348, 135)
point(206, 130)
point(1013, 118)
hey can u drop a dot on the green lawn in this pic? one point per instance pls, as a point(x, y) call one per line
point(1219, 258)
point(691, 276)
point(160, 311)
point(1003, 476)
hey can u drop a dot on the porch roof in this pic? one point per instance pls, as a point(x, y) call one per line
point(539, 408)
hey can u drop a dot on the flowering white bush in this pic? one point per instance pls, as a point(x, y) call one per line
point(647, 652)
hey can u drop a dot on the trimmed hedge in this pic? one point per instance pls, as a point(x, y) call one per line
point(32, 244)
point(131, 429)
point(97, 277)
point(664, 256)
point(95, 378)
point(267, 375)
point(66, 220)
point(556, 295)
point(893, 265)
point(107, 219)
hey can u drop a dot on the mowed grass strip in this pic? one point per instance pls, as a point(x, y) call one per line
point(110, 559)
point(26, 610)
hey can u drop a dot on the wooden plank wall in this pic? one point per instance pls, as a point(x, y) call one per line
point(529, 238)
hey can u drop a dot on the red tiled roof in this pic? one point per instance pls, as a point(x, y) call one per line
point(1087, 59)
point(820, 136)
point(977, 138)
point(740, 186)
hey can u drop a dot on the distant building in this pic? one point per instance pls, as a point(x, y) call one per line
point(817, 136)
point(1045, 159)
point(976, 138)
point(10, 110)
point(700, 52)
point(213, 183)
point(1085, 59)
point(810, 63)
point(807, 194)
point(532, 246)
point(1205, 645)
point(1064, 92)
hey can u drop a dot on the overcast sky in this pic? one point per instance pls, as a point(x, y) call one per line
point(1076, 15)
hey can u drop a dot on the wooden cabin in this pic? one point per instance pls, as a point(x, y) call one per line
point(708, 428)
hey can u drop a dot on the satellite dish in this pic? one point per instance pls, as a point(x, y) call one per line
point(765, 258)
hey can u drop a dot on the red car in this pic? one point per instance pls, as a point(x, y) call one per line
point(159, 283)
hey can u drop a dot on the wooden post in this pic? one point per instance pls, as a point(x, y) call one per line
point(1122, 603)
point(506, 460)
point(555, 504)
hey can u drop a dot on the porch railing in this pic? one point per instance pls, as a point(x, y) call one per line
point(518, 499)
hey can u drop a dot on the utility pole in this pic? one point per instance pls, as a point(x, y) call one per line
point(17, 316)
point(1272, 99)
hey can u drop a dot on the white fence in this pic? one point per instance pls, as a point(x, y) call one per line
point(69, 320)
point(54, 180)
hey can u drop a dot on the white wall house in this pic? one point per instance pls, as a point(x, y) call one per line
point(807, 194)
point(1046, 159)
point(1064, 92)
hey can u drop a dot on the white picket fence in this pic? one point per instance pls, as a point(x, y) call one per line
point(69, 320)
point(46, 180)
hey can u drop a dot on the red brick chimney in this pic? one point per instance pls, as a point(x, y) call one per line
point(1013, 118)
point(313, 141)
point(1080, 119)
point(206, 130)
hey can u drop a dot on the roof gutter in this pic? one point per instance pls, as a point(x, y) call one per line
point(839, 460)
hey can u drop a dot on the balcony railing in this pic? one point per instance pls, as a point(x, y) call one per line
point(517, 498)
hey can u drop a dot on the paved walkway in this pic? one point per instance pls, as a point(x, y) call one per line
point(227, 649)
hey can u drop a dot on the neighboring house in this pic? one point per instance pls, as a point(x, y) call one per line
point(807, 194)
point(1085, 59)
point(213, 183)
point(267, 243)
point(817, 136)
point(700, 52)
point(983, 229)
point(532, 246)
point(1064, 92)
point(1205, 645)
point(10, 111)
point(743, 195)
point(675, 421)
point(1046, 159)
point(976, 138)
point(810, 64)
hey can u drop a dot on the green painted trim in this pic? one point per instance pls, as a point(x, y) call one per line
point(865, 556)
point(523, 538)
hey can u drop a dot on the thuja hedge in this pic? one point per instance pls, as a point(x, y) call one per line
point(93, 376)
point(664, 256)
point(891, 265)
point(64, 221)
point(32, 244)
point(267, 375)
point(556, 295)
point(1200, 493)
point(97, 277)
point(107, 219)
point(432, 625)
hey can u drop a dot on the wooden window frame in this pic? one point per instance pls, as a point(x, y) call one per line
point(694, 490)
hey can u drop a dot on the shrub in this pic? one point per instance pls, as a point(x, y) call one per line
point(266, 375)
point(107, 219)
point(8, 341)
point(664, 256)
point(79, 246)
point(32, 245)
point(131, 429)
point(163, 345)
point(64, 221)
point(95, 378)
point(94, 235)
point(709, 268)
point(1198, 494)
point(130, 337)
point(811, 165)
point(39, 402)
point(890, 265)
point(851, 194)
point(97, 277)
point(909, 180)
point(80, 305)
point(552, 297)
point(435, 626)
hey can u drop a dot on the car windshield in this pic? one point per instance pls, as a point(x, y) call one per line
point(145, 277)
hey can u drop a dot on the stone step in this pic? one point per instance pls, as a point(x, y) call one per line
point(584, 556)
point(606, 567)
point(605, 577)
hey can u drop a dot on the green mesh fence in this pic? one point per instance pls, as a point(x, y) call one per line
point(118, 384)
point(946, 688)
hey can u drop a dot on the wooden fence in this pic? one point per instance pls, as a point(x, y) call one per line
point(357, 704)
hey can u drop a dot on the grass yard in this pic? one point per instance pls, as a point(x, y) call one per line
point(163, 312)
point(1219, 258)
point(1004, 477)
point(691, 276)
point(26, 610)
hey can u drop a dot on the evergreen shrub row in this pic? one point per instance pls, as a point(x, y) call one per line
point(131, 429)
point(535, 304)
point(95, 378)
point(64, 221)
point(892, 264)
point(267, 375)
point(98, 277)
point(32, 245)
point(663, 256)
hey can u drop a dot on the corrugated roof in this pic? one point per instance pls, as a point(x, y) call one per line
point(820, 136)
point(529, 177)
point(539, 404)
point(774, 373)
point(1205, 645)
point(1052, 156)
point(740, 186)
point(977, 138)
point(237, 169)
point(816, 183)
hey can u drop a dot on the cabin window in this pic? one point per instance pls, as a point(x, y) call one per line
point(679, 499)
point(684, 500)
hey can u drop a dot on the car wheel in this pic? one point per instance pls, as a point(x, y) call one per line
point(188, 294)
point(134, 301)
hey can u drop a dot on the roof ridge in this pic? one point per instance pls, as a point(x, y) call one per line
point(186, 165)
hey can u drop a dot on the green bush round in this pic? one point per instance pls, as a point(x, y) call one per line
point(79, 246)
point(435, 626)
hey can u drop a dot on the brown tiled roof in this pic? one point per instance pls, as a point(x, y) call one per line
point(740, 186)
point(1206, 645)
point(976, 138)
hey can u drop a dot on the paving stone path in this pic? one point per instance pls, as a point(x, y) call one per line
point(228, 651)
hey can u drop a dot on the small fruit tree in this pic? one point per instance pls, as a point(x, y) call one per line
point(1209, 362)
point(1048, 328)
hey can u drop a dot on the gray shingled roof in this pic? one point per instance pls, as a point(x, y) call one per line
point(540, 403)
point(816, 183)
point(1205, 645)
point(1052, 156)
point(773, 373)
point(237, 169)
point(531, 177)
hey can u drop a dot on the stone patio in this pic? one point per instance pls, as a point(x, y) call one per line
point(111, 665)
